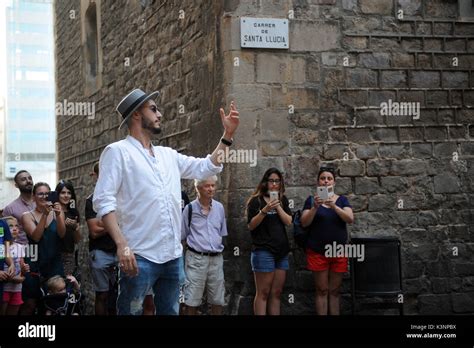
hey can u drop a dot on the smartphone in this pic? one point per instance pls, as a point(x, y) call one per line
point(325, 192)
point(273, 195)
point(53, 197)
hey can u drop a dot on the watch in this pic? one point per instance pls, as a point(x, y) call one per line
point(226, 142)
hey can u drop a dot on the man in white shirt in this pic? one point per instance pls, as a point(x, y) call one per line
point(138, 197)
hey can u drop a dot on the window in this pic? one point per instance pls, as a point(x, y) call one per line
point(90, 26)
point(466, 10)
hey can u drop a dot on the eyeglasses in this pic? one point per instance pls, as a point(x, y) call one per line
point(42, 194)
point(274, 181)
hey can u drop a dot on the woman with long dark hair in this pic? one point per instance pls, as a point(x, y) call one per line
point(67, 199)
point(268, 213)
point(45, 228)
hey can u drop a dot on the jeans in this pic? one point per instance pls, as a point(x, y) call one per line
point(162, 278)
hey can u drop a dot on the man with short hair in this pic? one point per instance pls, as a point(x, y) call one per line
point(203, 231)
point(138, 197)
point(24, 203)
point(103, 258)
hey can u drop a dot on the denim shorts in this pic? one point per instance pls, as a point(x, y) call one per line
point(264, 261)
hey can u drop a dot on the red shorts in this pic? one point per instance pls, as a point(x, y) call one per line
point(12, 298)
point(317, 262)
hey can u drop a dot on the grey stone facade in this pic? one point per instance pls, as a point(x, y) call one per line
point(317, 102)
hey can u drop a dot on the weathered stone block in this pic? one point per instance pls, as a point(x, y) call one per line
point(394, 151)
point(358, 135)
point(337, 135)
point(378, 167)
point(393, 79)
point(300, 98)
point(327, 32)
point(440, 8)
point(394, 184)
point(244, 72)
point(382, 7)
point(384, 134)
point(376, 98)
point(366, 185)
point(413, 269)
point(446, 183)
point(280, 69)
point(355, 42)
point(366, 151)
point(343, 186)
point(410, 7)
point(382, 202)
point(374, 60)
point(361, 78)
point(368, 117)
point(435, 133)
point(433, 45)
point(463, 303)
point(455, 79)
point(312, 73)
point(428, 79)
point(349, 5)
point(455, 45)
point(434, 98)
point(411, 133)
point(251, 96)
point(408, 167)
point(403, 60)
point(358, 202)
point(352, 168)
point(335, 151)
point(457, 132)
point(354, 98)
point(440, 285)
point(426, 218)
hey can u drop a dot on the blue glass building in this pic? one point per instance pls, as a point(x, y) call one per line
point(30, 127)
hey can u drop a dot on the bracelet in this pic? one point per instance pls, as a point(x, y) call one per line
point(262, 212)
point(226, 142)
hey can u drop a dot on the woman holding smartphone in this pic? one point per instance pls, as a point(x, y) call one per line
point(67, 199)
point(45, 227)
point(327, 220)
point(268, 213)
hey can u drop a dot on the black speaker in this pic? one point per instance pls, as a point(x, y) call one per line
point(380, 271)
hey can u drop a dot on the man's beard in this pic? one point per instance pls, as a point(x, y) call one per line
point(26, 190)
point(149, 126)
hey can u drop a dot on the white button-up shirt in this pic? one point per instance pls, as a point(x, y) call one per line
point(145, 193)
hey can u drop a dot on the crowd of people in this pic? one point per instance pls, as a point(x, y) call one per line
point(140, 221)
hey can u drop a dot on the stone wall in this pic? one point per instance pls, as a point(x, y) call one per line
point(317, 103)
point(405, 177)
point(145, 44)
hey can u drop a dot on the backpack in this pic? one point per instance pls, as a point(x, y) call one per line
point(300, 233)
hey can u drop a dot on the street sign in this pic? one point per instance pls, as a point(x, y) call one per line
point(264, 33)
